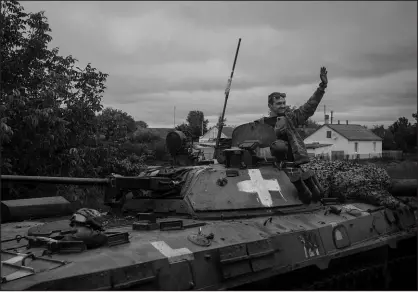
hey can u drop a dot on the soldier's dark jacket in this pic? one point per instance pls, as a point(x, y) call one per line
point(286, 128)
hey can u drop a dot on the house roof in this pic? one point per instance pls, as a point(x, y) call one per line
point(353, 132)
point(227, 131)
point(316, 145)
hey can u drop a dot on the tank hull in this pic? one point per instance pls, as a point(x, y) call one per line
point(242, 251)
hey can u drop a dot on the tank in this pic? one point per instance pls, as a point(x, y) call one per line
point(200, 224)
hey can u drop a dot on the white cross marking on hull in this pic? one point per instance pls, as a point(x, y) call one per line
point(262, 187)
point(173, 255)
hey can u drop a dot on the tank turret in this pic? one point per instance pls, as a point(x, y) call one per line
point(248, 182)
point(245, 183)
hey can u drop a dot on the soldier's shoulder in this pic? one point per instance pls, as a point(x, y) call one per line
point(290, 111)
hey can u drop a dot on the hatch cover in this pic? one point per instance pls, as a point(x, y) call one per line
point(18, 265)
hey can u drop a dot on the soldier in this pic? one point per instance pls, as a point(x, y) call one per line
point(289, 146)
point(287, 120)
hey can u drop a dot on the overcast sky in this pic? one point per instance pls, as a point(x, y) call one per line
point(164, 54)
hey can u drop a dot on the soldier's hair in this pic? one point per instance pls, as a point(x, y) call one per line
point(273, 96)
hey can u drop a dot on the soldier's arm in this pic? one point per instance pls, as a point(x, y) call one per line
point(260, 120)
point(301, 115)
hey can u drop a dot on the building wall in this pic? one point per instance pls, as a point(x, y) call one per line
point(326, 150)
point(340, 143)
point(364, 148)
point(211, 135)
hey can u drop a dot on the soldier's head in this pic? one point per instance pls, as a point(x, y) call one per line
point(277, 102)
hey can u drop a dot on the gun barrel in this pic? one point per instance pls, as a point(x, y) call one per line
point(55, 180)
point(221, 120)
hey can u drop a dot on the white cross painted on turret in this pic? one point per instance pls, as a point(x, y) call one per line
point(262, 187)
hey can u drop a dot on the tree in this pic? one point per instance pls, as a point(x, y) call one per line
point(48, 107)
point(141, 124)
point(185, 128)
point(413, 137)
point(404, 134)
point(400, 125)
point(143, 135)
point(115, 124)
point(48, 104)
point(379, 131)
point(388, 142)
point(414, 115)
point(195, 120)
point(401, 135)
point(312, 124)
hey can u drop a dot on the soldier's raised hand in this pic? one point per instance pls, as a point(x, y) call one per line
point(323, 75)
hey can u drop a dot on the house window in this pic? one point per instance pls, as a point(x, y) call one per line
point(356, 147)
point(328, 134)
point(374, 146)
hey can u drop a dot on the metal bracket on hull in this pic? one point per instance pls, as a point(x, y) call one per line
point(14, 267)
point(247, 258)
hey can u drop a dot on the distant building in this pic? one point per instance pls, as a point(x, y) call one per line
point(211, 135)
point(340, 140)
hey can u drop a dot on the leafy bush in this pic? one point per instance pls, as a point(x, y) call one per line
point(144, 136)
point(115, 124)
point(102, 161)
point(138, 149)
point(49, 110)
point(83, 197)
point(160, 150)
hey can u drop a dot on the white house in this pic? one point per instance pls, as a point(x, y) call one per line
point(317, 148)
point(211, 135)
point(342, 140)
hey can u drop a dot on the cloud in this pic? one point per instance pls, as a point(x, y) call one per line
point(352, 99)
point(164, 54)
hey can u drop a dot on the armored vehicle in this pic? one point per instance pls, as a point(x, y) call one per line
point(204, 225)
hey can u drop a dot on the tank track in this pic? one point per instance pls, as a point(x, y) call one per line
point(380, 269)
point(369, 277)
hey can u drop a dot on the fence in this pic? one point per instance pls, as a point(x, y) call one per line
point(395, 155)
